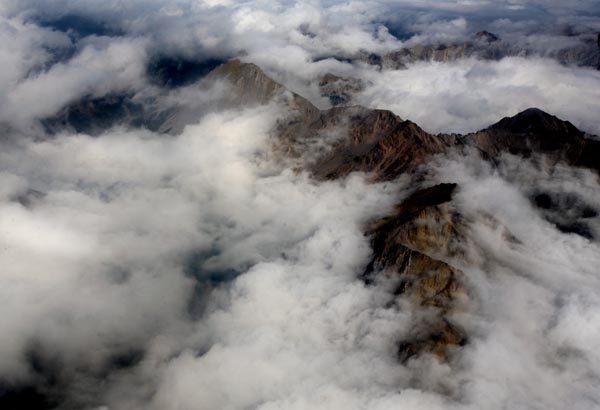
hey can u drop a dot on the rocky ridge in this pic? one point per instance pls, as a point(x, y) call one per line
point(485, 46)
point(419, 243)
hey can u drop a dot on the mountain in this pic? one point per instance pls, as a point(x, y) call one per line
point(533, 132)
point(486, 46)
point(377, 142)
point(411, 244)
point(339, 90)
point(419, 245)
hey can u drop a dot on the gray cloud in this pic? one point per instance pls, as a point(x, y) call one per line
point(151, 271)
point(529, 288)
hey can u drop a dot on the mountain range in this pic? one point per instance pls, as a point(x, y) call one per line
point(419, 243)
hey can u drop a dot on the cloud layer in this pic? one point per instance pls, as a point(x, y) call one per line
point(142, 270)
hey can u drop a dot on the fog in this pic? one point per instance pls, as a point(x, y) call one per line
point(469, 95)
point(198, 269)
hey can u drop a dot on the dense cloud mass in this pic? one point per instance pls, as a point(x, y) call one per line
point(159, 249)
point(468, 95)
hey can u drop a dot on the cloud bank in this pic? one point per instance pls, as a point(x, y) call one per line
point(144, 270)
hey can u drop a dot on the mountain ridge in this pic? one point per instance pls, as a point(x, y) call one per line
point(418, 241)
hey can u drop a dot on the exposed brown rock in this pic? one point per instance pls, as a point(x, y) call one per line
point(251, 85)
point(420, 240)
point(440, 338)
point(426, 222)
point(374, 141)
point(249, 82)
point(407, 244)
point(377, 141)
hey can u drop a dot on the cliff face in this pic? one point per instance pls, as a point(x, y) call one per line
point(410, 245)
point(420, 241)
point(534, 132)
point(378, 142)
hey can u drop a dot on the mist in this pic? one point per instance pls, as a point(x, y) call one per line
point(159, 250)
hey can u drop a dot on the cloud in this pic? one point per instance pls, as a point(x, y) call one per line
point(91, 48)
point(528, 289)
point(468, 95)
point(104, 269)
point(151, 271)
point(99, 68)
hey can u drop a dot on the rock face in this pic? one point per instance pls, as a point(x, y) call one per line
point(378, 142)
point(409, 245)
point(368, 140)
point(248, 86)
point(417, 243)
point(249, 83)
point(251, 86)
point(535, 132)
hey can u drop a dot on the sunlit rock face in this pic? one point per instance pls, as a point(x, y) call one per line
point(413, 244)
point(339, 205)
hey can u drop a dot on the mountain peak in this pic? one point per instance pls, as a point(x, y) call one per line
point(535, 121)
point(249, 81)
point(486, 36)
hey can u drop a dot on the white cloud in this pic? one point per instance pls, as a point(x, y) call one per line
point(132, 241)
point(469, 95)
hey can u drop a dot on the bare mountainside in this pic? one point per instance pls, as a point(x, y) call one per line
point(419, 244)
point(425, 246)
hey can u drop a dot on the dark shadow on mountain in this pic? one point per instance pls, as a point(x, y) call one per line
point(567, 211)
point(55, 383)
point(535, 132)
point(80, 26)
point(92, 115)
point(173, 71)
point(205, 279)
point(25, 398)
point(534, 120)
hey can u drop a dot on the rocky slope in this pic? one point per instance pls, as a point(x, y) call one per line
point(410, 245)
point(419, 243)
point(535, 132)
